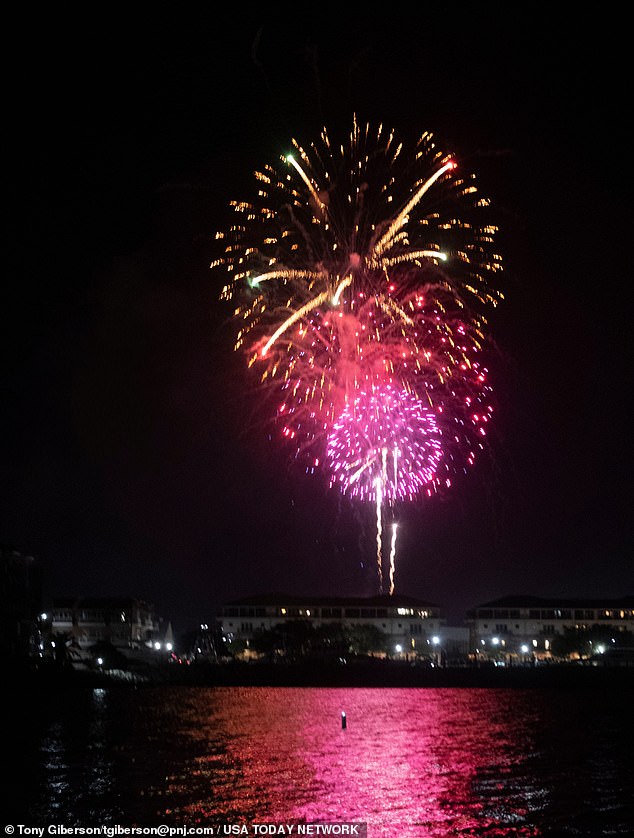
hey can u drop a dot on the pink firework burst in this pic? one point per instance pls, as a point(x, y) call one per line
point(384, 446)
point(365, 267)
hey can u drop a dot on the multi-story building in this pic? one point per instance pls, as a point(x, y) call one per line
point(408, 625)
point(124, 622)
point(520, 628)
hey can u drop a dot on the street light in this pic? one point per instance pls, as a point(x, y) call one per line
point(440, 651)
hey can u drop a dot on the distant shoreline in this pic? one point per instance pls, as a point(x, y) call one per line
point(357, 674)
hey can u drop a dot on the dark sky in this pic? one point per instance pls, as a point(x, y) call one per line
point(130, 464)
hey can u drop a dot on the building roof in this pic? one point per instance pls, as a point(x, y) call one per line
point(100, 602)
point(380, 600)
point(523, 601)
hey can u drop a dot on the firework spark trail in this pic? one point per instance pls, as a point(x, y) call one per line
point(393, 557)
point(361, 272)
point(379, 532)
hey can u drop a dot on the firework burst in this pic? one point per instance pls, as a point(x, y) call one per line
point(384, 443)
point(361, 273)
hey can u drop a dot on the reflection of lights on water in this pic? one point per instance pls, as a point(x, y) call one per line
point(477, 776)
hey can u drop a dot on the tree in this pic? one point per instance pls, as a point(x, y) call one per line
point(366, 639)
point(584, 642)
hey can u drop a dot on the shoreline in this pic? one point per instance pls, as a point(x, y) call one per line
point(358, 674)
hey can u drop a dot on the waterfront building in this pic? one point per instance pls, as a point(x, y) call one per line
point(407, 625)
point(125, 623)
point(516, 629)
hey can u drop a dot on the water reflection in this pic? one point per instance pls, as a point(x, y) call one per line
point(77, 764)
point(410, 762)
point(420, 762)
point(431, 762)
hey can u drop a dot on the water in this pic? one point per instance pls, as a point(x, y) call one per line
point(410, 762)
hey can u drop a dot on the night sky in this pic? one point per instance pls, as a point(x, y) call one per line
point(133, 457)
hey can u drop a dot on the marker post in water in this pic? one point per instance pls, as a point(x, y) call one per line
point(344, 721)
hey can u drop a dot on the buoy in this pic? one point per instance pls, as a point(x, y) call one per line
point(344, 721)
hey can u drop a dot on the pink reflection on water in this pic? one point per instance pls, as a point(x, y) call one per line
point(410, 762)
